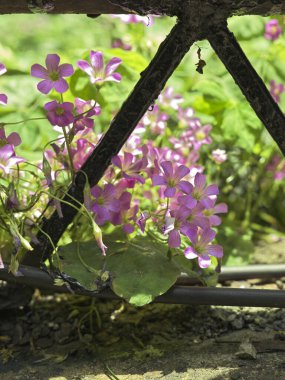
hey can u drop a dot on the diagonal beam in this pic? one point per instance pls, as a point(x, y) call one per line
point(153, 79)
point(252, 86)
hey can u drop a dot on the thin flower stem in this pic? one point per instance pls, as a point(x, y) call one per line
point(24, 121)
point(68, 147)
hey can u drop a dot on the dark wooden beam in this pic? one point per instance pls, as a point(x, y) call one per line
point(180, 8)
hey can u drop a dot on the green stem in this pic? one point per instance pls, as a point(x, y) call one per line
point(24, 121)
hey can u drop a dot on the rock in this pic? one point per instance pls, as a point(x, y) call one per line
point(246, 351)
point(238, 323)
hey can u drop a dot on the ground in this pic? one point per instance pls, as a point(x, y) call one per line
point(75, 338)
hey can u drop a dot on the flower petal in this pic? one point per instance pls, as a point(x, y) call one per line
point(170, 192)
point(52, 62)
point(215, 250)
point(3, 99)
point(45, 86)
point(84, 66)
point(158, 180)
point(3, 69)
point(186, 187)
point(39, 71)
point(190, 253)
point(204, 261)
point(167, 168)
point(181, 172)
point(65, 70)
point(207, 236)
point(60, 86)
point(116, 77)
point(112, 65)
point(97, 61)
point(200, 180)
point(14, 139)
point(212, 190)
point(174, 240)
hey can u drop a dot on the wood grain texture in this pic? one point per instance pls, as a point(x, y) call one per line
point(180, 8)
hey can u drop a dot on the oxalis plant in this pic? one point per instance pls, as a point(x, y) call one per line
point(153, 214)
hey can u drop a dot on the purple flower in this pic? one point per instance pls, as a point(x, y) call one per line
point(8, 158)
point(211, 210)
point(85, 111)
point(97, 71)
point(82, 151)
point(202, 249)
point(200, 190)
point(52, 75)
point(171, 178)
point(276, 90)
point(104, 203)
point(3, 97)
point(59, 113)
point(118, 43)
point(272, 30)
point(13, 139)
point(130, 168)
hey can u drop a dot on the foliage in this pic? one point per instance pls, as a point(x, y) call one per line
point(155, 196)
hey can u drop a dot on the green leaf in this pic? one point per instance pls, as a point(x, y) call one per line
point(142, 271)
point(140, 268)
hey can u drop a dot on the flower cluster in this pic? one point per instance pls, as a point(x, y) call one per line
point(272, 30)
point(158, 188)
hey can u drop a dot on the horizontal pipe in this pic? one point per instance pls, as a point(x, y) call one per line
point(176, 295)
point(237, 273)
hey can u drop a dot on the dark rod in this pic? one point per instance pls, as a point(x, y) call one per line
point(176, 295)
point(252, 86)
point(259, 271)
point(152, 81)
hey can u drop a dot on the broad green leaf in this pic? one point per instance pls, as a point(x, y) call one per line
point(142, 271)
point(140, 268)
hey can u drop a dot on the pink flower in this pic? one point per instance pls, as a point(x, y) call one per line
point(97, 71)
point(82, 151)
point(168, 99)
point(130, 167)
point(104, 203)
point(8, 158)
point(272, 30)
point(118, 43)
point(52, 75)
point(202, 249)
point(276, 90)
point(200, 190)
point(3, 97)
point(171, 178)
point(85, 111)
point(135, 19)
point(219, 156)
point(59, 113)
point(211, 210)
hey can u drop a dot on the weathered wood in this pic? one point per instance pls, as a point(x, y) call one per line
point(59, 6)
point(252, 86)
point(180, 8)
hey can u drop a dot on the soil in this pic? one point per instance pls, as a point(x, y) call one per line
point(67, 337)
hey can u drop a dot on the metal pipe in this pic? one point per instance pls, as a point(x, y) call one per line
point(260, 271)
point(176, 295)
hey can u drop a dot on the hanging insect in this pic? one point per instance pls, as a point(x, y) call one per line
point(201, 63)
